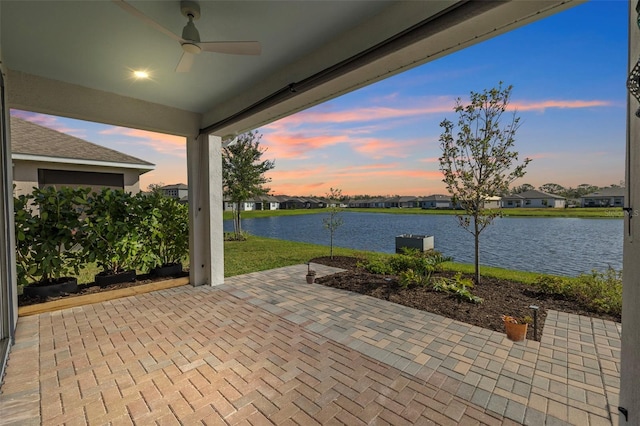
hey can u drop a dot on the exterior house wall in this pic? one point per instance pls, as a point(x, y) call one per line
point(436, 204)
point(602, 202)
point(25, 174)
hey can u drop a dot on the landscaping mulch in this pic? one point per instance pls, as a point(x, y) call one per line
point(501, 297)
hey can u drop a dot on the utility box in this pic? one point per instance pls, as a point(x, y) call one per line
point(420, 242)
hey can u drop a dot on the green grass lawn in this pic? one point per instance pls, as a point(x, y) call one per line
point(579, 212)
point(259, 254)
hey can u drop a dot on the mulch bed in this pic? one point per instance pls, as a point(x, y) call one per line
point(501, 297)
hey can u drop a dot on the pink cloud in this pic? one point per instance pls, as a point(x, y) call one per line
point(48, 121)
point(379, 148)
point(564, 104)
point(159, 142)
point(429, 160)
point(296, 145)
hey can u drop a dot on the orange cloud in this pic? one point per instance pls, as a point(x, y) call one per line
point(296, 145)
point(379, 148)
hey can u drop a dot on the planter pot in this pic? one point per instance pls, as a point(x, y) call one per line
point(61, 286)
point(311, 278)
point(168, 270)
point(104, 280)
point(516, 332)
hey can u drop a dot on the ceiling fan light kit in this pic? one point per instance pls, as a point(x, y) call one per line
point(190, 40)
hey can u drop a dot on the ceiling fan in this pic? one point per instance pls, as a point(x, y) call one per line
point(190, 40)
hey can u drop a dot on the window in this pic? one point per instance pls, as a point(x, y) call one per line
point(527, 202)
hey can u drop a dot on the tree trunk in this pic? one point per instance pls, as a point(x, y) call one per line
point(236, 222)
point(331, 245)
point(476, 237)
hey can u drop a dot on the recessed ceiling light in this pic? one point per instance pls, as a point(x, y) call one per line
point(140, 74)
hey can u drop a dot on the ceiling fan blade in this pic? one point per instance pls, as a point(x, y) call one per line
point(185, 62)
point(144, 18)
point(232, 47)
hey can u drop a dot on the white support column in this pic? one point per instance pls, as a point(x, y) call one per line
point(206, 245)
point(630, 352)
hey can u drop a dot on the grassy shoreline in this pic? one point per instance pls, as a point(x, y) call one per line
point(260, 253)
point(580, 212)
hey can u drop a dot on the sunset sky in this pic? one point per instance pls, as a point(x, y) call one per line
point(569, 77)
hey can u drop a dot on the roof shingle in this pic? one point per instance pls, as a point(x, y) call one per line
point(32, 139)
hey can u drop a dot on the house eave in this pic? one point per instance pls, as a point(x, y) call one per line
point(46, 159)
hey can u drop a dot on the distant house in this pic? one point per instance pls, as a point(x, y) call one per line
point(45, 157)
point(436, 201)
point(533, 199)
point(245, 206)
point(401, 202)
point(178, 191)
point(606, 197)
point(266, 202)
point(492, 202)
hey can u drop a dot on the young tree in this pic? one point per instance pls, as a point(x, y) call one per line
point(478, 161)
point(333, 221)
point(243, 173)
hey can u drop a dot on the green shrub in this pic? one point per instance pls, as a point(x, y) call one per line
point(48, 229)
point(377, 265)
point(115, 232)
point(164, 228)
point(458, 287)
point(601, 291)
point(412, 266)
point(598, 291)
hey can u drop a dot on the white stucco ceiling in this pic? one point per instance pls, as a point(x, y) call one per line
point(74, 58)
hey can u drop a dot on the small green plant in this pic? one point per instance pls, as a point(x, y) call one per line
point(236, 236)
point(457, 286)
point(412, 266)
point(333, 221)
point(377, 265)
point(48, 230)
point(517, 320)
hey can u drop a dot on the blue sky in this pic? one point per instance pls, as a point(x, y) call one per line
point(569, 77)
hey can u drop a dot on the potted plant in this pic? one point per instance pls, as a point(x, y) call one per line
point(48, 231)
point(311, 274)
point(114, 227)
point(516, 327)
point(166, 227)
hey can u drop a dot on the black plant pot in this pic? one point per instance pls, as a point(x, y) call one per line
point(52, 289)
point(104, 280)
point(168, 270)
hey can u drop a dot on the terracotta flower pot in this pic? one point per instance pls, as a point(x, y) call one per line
point(516, 332)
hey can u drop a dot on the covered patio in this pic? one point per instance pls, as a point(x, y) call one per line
point(266, 348)
point(76, 59)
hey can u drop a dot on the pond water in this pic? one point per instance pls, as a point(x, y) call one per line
point(562, 246)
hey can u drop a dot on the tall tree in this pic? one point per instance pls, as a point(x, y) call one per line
point(333, 220)
point(553, 188)
point(478, 159)
point(243, 173)
point(522, 188)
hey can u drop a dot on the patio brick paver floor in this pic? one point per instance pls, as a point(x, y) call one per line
point(265, 348)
